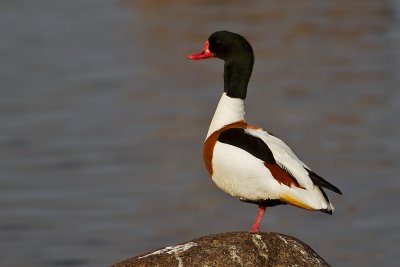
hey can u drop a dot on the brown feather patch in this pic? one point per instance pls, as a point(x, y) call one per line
point(281, 175)
point(209, 144)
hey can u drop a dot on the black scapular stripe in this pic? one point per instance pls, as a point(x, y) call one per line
point(252, 144)
point(319, 181)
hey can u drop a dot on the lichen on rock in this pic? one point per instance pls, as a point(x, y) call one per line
point(232, 249)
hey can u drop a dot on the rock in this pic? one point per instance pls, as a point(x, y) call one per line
point(232, 249)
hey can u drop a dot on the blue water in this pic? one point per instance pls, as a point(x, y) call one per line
point(103, 120)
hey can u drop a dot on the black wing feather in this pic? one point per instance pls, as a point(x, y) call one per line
point(319, 181)
point(252, 144)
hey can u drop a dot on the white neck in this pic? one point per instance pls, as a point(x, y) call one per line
point(229, 110)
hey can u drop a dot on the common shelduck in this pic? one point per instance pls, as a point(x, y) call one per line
point(244, 160)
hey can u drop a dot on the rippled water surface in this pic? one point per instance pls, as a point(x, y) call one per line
point(103, 119)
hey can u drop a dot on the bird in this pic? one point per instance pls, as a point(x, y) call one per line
point(244, 160)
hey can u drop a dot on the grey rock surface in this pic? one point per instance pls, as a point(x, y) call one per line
point(232, 249)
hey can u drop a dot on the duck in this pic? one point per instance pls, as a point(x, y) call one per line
point(244, 160)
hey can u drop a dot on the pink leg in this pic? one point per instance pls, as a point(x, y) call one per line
point(254, 228)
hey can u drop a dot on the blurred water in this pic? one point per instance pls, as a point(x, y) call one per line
point(103, 119)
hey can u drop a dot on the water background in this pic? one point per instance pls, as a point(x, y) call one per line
point(102, 120)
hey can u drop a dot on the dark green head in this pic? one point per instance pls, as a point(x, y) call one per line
point(238, 55)
point(230, 46)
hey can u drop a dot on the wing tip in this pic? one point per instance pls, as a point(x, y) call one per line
point(327, 211)
point(318, 180)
